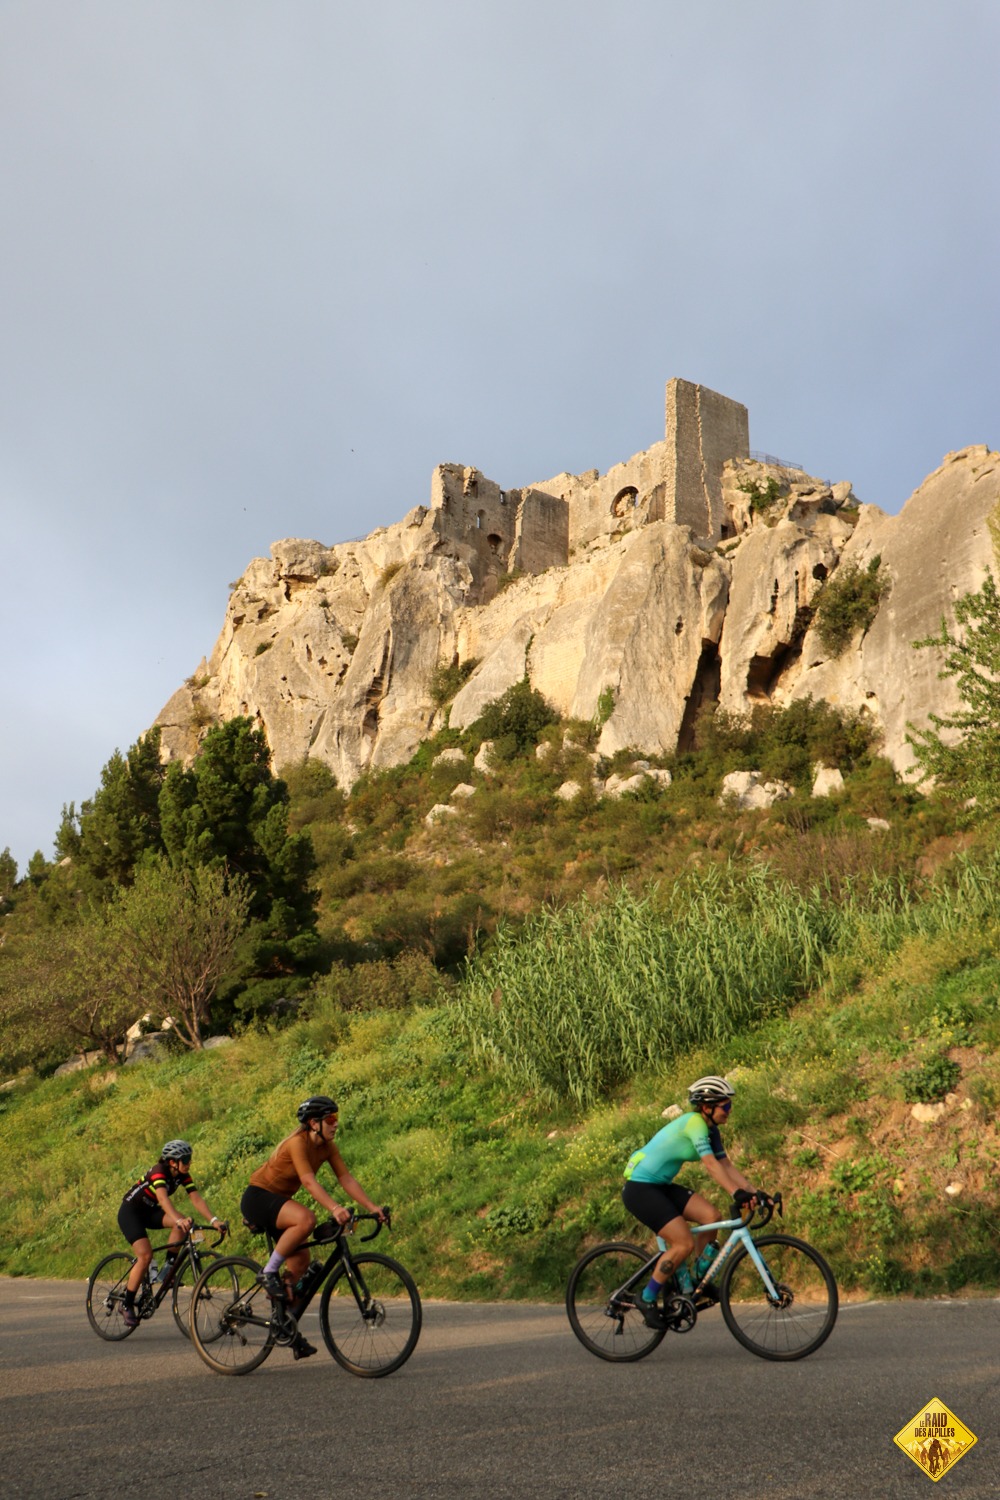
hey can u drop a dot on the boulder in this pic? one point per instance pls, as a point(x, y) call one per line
point(827, 782)
point(748, 789)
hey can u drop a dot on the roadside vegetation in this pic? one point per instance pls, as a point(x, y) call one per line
point(505, 1000)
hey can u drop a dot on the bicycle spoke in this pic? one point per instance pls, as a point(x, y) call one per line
point(603, 1308)
point(105, 1297)
point(798, 1317)
point(231, 1317)
point(370, 1315)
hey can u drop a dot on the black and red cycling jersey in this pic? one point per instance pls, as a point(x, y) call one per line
point(160, 1176)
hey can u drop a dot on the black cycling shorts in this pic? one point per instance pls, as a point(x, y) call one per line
point(655, 1204)
point(262, 1208)
point(135, 1220)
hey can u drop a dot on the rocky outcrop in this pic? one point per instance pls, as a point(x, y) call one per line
point(686, 576)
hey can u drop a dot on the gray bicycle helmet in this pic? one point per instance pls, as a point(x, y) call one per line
point(177, 1151)
point(710, 1089)
point(315, 1108)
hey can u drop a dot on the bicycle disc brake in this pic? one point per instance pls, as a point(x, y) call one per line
point(785, 1296)
point(680, 1314)
point(374, 1313)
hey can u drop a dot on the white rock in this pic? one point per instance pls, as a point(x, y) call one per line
point(211, 1042)
point(672, 1112)
point(617, 786)
point(568, 791)
point(928, 1114)
point(748, 789)
point(464, 789)
point(954, 1188)
point(450, 757)
point(482, 760)
point(828, 781)
point(438, 811)
point(879, 825)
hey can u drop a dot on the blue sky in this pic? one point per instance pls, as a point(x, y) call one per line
point(264, 265)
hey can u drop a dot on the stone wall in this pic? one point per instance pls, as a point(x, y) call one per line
point(704, 429)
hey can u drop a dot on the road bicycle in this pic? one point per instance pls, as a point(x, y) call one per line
point(108, 1280)
point(369, 1313)
point(777, 1294)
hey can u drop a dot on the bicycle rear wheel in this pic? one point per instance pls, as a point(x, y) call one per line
point(603, 1308)
point(805, 1311)
point(185, 1279)
point(106, 1296)
point(231, 1317)
point(370, 1315)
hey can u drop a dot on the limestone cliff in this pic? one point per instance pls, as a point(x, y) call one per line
point(687, 574)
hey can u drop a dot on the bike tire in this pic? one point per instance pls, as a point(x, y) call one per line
point(105, 1293)
point(231, 1316)
point(182, 1292)
point(372, 1336)
point(598, 1317)
point(800, 1324)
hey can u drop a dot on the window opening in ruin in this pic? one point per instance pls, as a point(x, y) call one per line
point(503, 497)
point(625, 500)
point(479, 520)
point(494, 541)
point(819, 571)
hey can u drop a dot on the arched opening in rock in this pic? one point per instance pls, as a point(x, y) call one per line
point(494, 541)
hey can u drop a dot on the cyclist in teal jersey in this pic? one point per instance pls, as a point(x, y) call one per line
point(663, 1205)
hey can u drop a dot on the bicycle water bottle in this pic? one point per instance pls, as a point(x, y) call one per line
point(153, 1273)
point(704, 1260)
point(682, 1275)
point(310, 1276)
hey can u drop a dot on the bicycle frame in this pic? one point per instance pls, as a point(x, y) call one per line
point(341, 1251)
point(741, 1234)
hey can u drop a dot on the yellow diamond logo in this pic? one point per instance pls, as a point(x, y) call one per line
point(935, 1439)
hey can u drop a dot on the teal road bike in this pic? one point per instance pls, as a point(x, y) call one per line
point(777, 1294)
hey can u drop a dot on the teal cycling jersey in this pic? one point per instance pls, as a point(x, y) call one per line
point(684, 1139)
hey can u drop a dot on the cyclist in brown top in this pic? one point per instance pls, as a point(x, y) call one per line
point(269, 1202)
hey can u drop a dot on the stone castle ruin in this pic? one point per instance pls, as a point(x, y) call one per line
point(686, 575)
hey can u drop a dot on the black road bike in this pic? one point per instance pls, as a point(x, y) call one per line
point(369, 1312)
point(176, 1280)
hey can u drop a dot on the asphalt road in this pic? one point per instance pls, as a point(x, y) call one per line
point(497, 1401)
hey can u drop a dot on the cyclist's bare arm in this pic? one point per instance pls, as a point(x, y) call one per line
point(726, 1175)
point(171, 1216)
point(354, 1190)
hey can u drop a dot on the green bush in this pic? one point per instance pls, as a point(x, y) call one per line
point(518, 716)
point(847, 603)
point(930, 1081)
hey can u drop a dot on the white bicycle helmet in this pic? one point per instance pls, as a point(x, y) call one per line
point(710, 1089)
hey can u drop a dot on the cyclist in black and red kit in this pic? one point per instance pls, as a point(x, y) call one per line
point(147, 1206)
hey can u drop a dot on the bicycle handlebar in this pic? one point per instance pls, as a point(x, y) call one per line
point(762, 1213)
point(331, 1230)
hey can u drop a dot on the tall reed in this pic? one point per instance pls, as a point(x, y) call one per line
point(582, 998)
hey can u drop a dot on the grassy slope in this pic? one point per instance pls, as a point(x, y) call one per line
point(495, 1196)
point(496, 1193)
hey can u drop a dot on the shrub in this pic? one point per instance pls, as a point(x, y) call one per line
point(762, 493)
point(263, 646)
point(930, 1081)
point(446, 680)
point(521, 713)
point(847, 603)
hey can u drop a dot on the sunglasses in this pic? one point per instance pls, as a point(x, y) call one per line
point(724, 1104)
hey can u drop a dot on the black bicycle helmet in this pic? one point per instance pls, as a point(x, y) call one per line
point(177, 1151)
point(316, 1108)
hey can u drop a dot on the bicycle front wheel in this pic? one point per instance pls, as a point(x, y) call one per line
point(106, 1296)
point(231, 1317)
point(801, 1316)
point(370, 1315)
point(602, 1304)
point(185, 1277)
